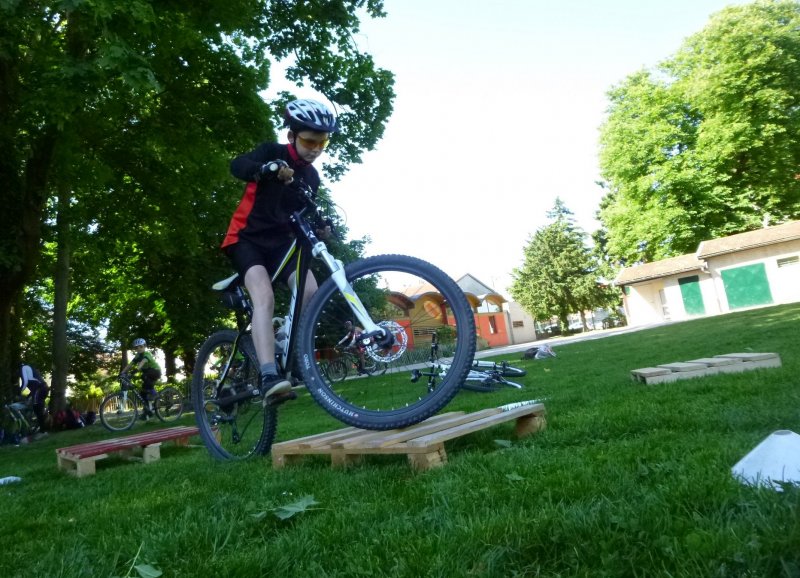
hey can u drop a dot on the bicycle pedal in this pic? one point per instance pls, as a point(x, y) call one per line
point(415, 375)
point(278, 399)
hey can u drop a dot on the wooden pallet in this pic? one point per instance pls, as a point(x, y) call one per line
point(79, 460)
point(728, 363)
point(423, 443)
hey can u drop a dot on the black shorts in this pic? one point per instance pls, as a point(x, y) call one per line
point(244, 255)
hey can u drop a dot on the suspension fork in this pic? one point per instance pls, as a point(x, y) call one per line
point(320, 251)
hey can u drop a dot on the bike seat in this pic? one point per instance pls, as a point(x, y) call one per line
point(226, 283)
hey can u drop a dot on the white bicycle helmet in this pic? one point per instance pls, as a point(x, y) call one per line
point(138, 342)
point(307, 114)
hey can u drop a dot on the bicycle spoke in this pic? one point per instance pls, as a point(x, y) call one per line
point(237, 429)
point(410, 299)
point(119, 411)
point(168, 405)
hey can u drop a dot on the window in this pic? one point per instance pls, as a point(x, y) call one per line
point(492, 325)
point(786, 261)
point(517, 324)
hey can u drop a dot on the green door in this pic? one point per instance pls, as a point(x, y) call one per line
point(692, 297)
point(747, 286)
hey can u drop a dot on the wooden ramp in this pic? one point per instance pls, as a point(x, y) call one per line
point(728, 363)
point(423, 443)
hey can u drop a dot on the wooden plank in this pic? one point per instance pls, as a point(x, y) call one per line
point(315, 439)
point(750, 356)
point(476, 425)
point(423, 443)
point(683, 366)
point(716, 361)
point(727, 363)
point(376, 440)
point(651, 371)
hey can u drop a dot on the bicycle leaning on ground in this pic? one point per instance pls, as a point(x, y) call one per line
point(119, 410)
point(233, 418)
point(483, 376)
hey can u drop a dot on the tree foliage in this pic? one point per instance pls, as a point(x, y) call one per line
point(706, 145)
point(135, 110)
point(559, 273)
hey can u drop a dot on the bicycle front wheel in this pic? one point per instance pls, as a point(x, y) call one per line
point(507, 370)
point(168, 405)
point(231, 430)
point(489, 381)
point(118, 411)
point(411, 300)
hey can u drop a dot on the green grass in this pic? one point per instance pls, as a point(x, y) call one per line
point(627, 480)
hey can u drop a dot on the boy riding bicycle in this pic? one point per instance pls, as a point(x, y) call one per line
point(146, 363)
point(259, 234)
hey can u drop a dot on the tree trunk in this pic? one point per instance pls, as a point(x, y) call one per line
point(21, 232)
point(189, 358)
point(170, 368)
point(58, 392)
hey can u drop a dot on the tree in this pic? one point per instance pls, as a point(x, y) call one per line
point(132, 112)
point(706, 146)
point(558, 275)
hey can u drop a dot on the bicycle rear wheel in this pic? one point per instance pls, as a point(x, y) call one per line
point(385, 285)
point(237, 430)
point(336, 370)
point(118, 411)
point(168, 405)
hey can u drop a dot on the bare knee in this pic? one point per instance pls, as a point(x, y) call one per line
point(259, 287)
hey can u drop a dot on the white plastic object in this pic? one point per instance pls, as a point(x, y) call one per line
point(9, 480)
point(510, 406)
point(774, 461)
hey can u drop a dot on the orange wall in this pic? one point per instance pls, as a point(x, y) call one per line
point(483, 328)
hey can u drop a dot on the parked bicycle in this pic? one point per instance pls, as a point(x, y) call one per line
point(483, 376)
point(233, 418)
point(19, 422)
point(120, 410)
point(348, 364)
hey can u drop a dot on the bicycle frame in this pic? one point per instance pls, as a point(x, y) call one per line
point(18, 410)
point(127, 387)
point(305, 246)
point(439, 368)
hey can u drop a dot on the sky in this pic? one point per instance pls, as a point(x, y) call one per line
point(497, 112)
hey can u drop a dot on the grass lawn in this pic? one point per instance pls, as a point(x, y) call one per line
point(627, 480)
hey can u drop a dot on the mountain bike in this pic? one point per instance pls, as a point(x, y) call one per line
point(23, 422)
point(347, 364)
point(483, 376)
point(119, 410)
point(234, 419)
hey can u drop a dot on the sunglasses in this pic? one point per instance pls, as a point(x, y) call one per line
point(313, 144)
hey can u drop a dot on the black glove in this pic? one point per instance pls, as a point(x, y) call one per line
point(270, 170)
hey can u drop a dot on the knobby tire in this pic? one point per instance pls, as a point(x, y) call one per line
point(389, 400)
point(239, 430)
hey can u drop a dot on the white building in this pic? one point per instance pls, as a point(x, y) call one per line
point(750, 269)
